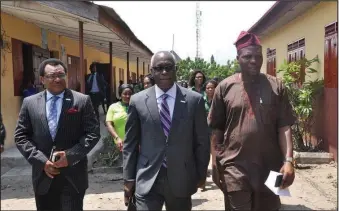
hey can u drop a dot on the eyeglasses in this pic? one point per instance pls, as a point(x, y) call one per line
point(53, 77)
point(161, 68)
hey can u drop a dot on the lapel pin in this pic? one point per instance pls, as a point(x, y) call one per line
point(183, 101)
point(68, 99)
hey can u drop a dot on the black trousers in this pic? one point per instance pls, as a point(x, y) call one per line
point(160, 194)
point(61, 196)
point(97, 99)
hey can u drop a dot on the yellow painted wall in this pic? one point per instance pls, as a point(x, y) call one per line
point(311, 26)
point(30, 33)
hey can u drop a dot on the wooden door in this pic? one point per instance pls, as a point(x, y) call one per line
point(18, 66)
point(73, 65)
point(134, 77)
point(331, 61)
point(39, 55)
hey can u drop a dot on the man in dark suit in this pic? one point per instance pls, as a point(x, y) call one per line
point(62, 121)
point(96, 87)
point(169, 123)
point(2, 134)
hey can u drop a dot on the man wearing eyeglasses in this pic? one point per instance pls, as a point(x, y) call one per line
point(169, 124)
point(55, 131)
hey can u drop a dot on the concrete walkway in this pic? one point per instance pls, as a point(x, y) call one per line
point(105, 193)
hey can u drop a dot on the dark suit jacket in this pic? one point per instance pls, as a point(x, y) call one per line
point(2, 131)
point(77, 134)
point(188, 150)
point(102, 84)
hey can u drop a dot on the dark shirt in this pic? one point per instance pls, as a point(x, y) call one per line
point(29, 91)
point(2, 131)
point(250, 115)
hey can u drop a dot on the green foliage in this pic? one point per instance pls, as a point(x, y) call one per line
point(110, 155)
point(302, 97)
point(210, 69)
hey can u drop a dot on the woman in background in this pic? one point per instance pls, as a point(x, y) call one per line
point(197, 81)
point(209, 92)
point(148, 81)
point(184, 84)
point(117, 115)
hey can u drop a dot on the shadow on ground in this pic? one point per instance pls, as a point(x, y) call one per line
point(197, 202)
point(294, 207)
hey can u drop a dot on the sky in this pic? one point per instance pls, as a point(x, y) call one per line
point(154, 23)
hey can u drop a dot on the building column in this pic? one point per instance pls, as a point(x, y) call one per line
point(81, 76)
point(137, 69)
point(128, 73)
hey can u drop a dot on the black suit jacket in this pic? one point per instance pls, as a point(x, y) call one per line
point(77, 134)
point(2, 131)
point(102, 84)
point(187, 147)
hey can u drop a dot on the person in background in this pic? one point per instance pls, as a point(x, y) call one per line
point(209, 93)
point(121, 82)
point(148, 81)
point(209, 87)
point(2, 134)
point(251, 118)
point(139, 85)
point(197, 81)
point(184, 84)
point(59, 123)
point(96, 88)
point(117, 115)
point(29, 89)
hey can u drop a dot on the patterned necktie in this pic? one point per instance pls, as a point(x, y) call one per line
point(52, 117)
point(166, 120)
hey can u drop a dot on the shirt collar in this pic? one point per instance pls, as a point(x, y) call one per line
point(172, 92)
point(50, 95)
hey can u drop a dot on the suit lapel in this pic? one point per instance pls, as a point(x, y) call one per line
point(66, 105)
point(179, 107)
point(152, 106)
point(41, 108)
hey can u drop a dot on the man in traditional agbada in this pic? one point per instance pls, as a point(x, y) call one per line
point(251, 119)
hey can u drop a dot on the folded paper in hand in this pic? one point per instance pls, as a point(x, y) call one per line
point(270, 183)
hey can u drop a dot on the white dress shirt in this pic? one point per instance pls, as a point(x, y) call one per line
point(58, 103)
point(172, 93)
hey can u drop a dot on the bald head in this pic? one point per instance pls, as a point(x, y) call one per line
point(163, 68)
point(163, 55)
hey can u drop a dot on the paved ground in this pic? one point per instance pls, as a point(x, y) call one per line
point(314, 189)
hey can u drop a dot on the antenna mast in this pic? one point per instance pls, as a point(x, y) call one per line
point(198, 14)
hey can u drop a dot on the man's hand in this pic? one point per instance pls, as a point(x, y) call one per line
point(129, 188)
point(62, 162)
point(50, 169)
point(1, 148)
point(216, 177)
point(288, 175)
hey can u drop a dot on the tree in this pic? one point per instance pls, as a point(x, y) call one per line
point(302, 96)
point(212, 59)
point(211, 70)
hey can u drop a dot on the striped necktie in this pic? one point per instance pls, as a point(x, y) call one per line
point(165, 118)
point(53, 117)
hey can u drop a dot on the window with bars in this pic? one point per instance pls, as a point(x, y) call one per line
point(296, 52)
point(331, 29)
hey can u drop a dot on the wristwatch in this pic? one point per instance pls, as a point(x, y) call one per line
point(289, 159)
